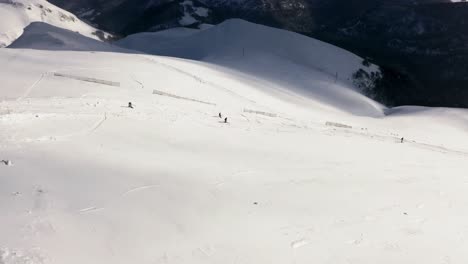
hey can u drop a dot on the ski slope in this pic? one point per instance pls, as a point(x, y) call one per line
point(305, 65)
point(15, 15)
point(291, 178)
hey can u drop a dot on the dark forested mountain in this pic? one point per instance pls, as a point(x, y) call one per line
point(421, 45)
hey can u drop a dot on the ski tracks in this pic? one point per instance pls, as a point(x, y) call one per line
point(28, 91)
point(115, 200)
point(98, 124)
point(138, 189)
point(91, 209)
point(137, 81)
point(88, 131)
point(199, 79)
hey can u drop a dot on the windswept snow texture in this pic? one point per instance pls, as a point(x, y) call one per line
point(305, 65)
point(15, 15)
point(47, 37)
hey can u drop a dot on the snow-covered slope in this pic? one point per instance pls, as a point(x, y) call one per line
point(303, 64)
point(92, 181)
point(15, 15)
point(43, 36)
point(292, 177)
point(237, 39)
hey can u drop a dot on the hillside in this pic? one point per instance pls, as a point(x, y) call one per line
point(300, 168)
point(92, 181)
point(305, 65)
point(421, 45)
point(39, 35)
point(15, 15)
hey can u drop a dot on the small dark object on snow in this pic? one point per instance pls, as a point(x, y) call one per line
point(255, 203)
point(402, 139)
point(405, 213)
point(130, 105)
point(220, 116)
point(225, 120)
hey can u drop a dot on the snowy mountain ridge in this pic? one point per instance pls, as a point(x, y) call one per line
point(40, 35)
point(250, 47)
point(15, 15)
point(420, 45)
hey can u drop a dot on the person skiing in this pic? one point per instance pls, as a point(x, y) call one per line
point(220, 116)
point(225, 120)
point(402, 139)
point(130, 105)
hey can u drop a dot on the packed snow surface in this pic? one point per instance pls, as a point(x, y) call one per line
point(293, 177)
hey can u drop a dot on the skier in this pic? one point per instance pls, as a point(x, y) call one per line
point(130, 105)
point(220, 116)
point(402, 139)
point(225, 120)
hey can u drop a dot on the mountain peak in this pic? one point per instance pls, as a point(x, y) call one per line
point(18, 14)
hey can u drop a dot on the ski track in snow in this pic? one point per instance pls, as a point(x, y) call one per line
point(91, 210)
point(29, 90)
point(98, 124)
point(197, 78)
point(137, 81)
point(138, 189)
point(389, 138)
